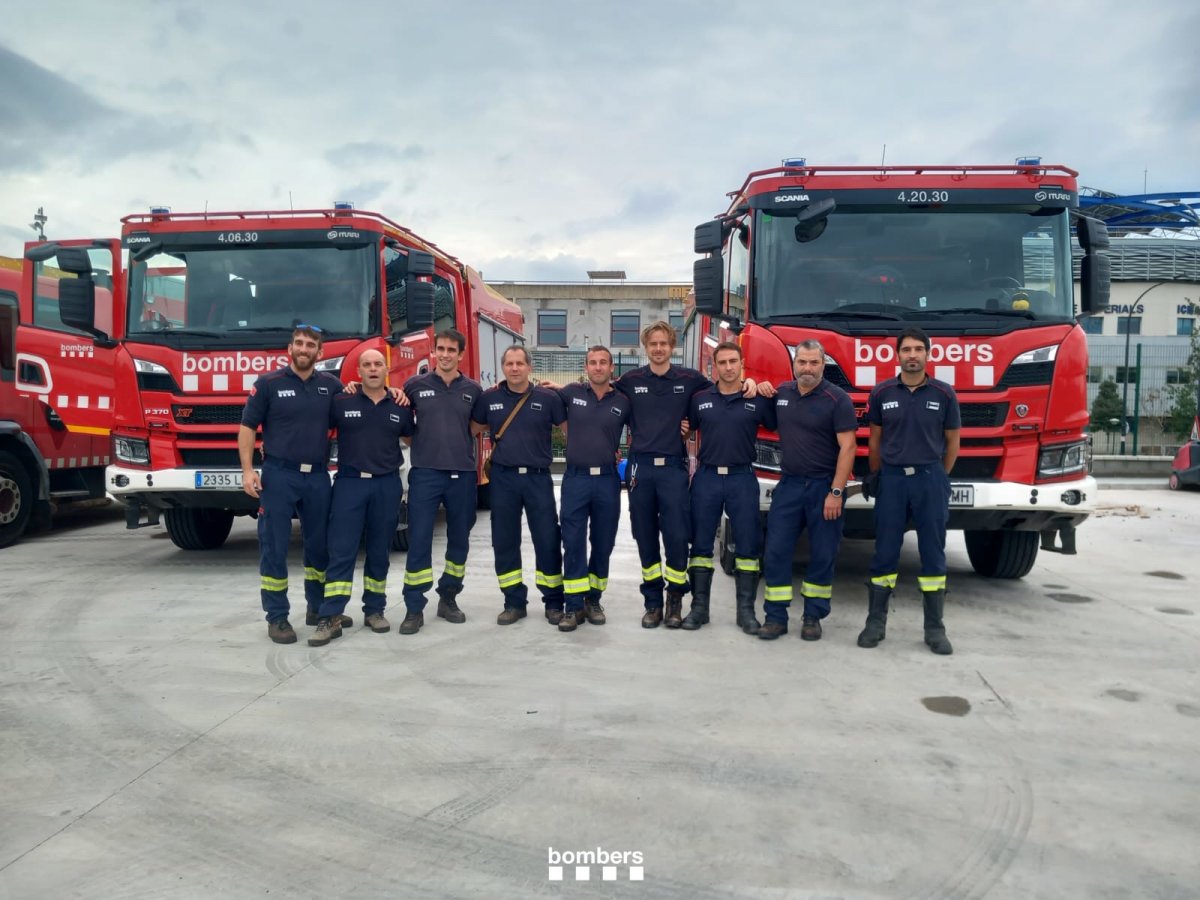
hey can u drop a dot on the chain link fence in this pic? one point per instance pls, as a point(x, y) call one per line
point(1155, 374)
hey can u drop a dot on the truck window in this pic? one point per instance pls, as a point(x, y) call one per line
point(45, 299)
point(737, 261)
point(395, 274)
point(8, 334)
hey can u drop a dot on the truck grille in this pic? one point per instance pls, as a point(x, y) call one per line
point(835, 376)
point(210, 414)
point(768, 455)
point(216, 457)
point(983, 415)
point(1027, 374)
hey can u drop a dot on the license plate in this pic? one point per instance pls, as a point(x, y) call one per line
point(962, 495)
point(218, 480)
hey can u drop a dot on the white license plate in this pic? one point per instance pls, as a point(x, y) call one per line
point(218, 480)
point(962, 495)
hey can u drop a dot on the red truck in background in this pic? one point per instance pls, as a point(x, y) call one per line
point(43, 463)
point(980, 257)
point(207, 304)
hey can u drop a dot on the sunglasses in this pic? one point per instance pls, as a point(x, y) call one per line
point(304, 326)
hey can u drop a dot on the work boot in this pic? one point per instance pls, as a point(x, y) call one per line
point(653, 617)
point(281, 631)
point(935, 630)
point(771, 630)
point(511, 614)
point(448, 610)
point(412, 622)
point(554, 614)
point(312, 617)
point(701, 593)
point(673, 613)
point(746, 590)
point(571, 619)
point(377, 623)
point(877, 612)
point(593, 611)
point(328, 628)
point(810, 628)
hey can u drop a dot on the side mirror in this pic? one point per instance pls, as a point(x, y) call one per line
point(1095, 282)
point(77, 303)
point(420, 263)
point(1092, 234)
point(420, 302)
point(74, 260)
point(708, 281)
point(709, 237)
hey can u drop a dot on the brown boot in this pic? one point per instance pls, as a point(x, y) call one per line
point(673, 614)
point(593, 611)
point(281, 632)
point(312, 618)
point(448, 610)
point(810, 628)
point(554, 614)
point(571, 619)
point(653, 617)
point(771, 630)
point(511, 614)
point(328, 629)
point(412, 622)
point(377, 623)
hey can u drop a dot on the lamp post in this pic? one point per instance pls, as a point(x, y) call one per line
point(1125, 390)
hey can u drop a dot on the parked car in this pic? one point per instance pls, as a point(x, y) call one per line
point(1185, 468)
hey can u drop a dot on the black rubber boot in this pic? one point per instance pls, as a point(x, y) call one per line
point(746, 588)
point(877, 612)
point(935, 630)
point(701, 591)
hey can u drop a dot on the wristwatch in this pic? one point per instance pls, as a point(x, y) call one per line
point(837, 492)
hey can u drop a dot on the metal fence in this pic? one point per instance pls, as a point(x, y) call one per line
point(565, 366)
point(1155, 365)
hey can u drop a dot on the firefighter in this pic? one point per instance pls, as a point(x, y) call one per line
point(591, 489)
point(724, 481)
point(442, 473)
point(816, 425)
point(366, 494)
point(520, 416)
point(915, 426)
point(657, 471)
point(293, 407)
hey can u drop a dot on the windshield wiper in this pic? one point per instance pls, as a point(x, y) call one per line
point(976, 311)
point(840, 314)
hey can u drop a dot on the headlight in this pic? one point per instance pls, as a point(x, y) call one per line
point(333, 365)
point(149, 368)
point(153, 377)
point(131, 450)
point(1062, 460)
point(1041, 354)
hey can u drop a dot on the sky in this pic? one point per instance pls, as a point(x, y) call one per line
point(538, 140)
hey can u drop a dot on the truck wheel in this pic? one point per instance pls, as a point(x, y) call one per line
point(400, 538)
point(1002, 554)
point(198, 529)
point(16, 498)
point(728, 562)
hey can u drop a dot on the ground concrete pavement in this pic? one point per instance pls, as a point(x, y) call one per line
point(155, 744)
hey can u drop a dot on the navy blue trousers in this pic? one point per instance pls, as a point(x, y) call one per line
point(532, 492)
point(798, 503)
point(428, 489)
point(923, 497)
point(287, 492)
point(594, 499)
point(659, 503)
point(361, 504)
point(736, 495)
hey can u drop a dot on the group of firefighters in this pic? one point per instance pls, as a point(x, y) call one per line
point(914, 437)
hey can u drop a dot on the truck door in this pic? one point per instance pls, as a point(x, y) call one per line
point(71, 310)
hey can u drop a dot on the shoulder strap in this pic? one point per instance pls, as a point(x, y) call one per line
point(503, 428)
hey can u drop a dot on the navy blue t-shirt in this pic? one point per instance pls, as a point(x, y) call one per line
point(442, 413)
point(368, 433)
point(728, 426)
point(808, 426)
point(294, 414)
point(526, 441)
point(914, 422)
point(594, 424)
point(658, 404)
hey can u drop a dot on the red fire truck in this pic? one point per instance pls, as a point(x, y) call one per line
point(980, 257)
point(42, 463)
point(208, 304)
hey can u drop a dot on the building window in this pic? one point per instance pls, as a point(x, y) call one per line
point(1178, 376)
point(1185, 326)
point(1095, 374)
point(1092, 324)
point(1126, 374)
point(1129, 325)
point(675, 320)
point(552, 327)
point(626, 329)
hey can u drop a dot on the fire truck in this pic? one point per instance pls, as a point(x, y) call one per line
point(980, 257)
point(205, 303)
point(43, 464)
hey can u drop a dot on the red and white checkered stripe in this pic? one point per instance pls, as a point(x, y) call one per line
point(81, 401)
point(77, 462)
point(209, 383)
point(966, 376)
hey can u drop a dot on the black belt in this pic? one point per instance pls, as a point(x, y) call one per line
point(609, 469)
point(306, 468)
point(521, 470)
point(728, 470)
point(351, 472)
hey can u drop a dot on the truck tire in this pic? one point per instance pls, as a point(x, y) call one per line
point(400, 538)
point(198, 529)
point(16, 498)
point(1002, 554)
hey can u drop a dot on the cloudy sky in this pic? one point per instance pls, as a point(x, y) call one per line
point(539, 139)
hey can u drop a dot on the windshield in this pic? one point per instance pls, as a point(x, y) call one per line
point(922, 266)
point(247, 290)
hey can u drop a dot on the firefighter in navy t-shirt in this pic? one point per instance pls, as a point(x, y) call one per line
point(915, 426)
point(728, 424)
point(366, 495)
point(816, 425)
point(520, 417)
point(293, 406)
